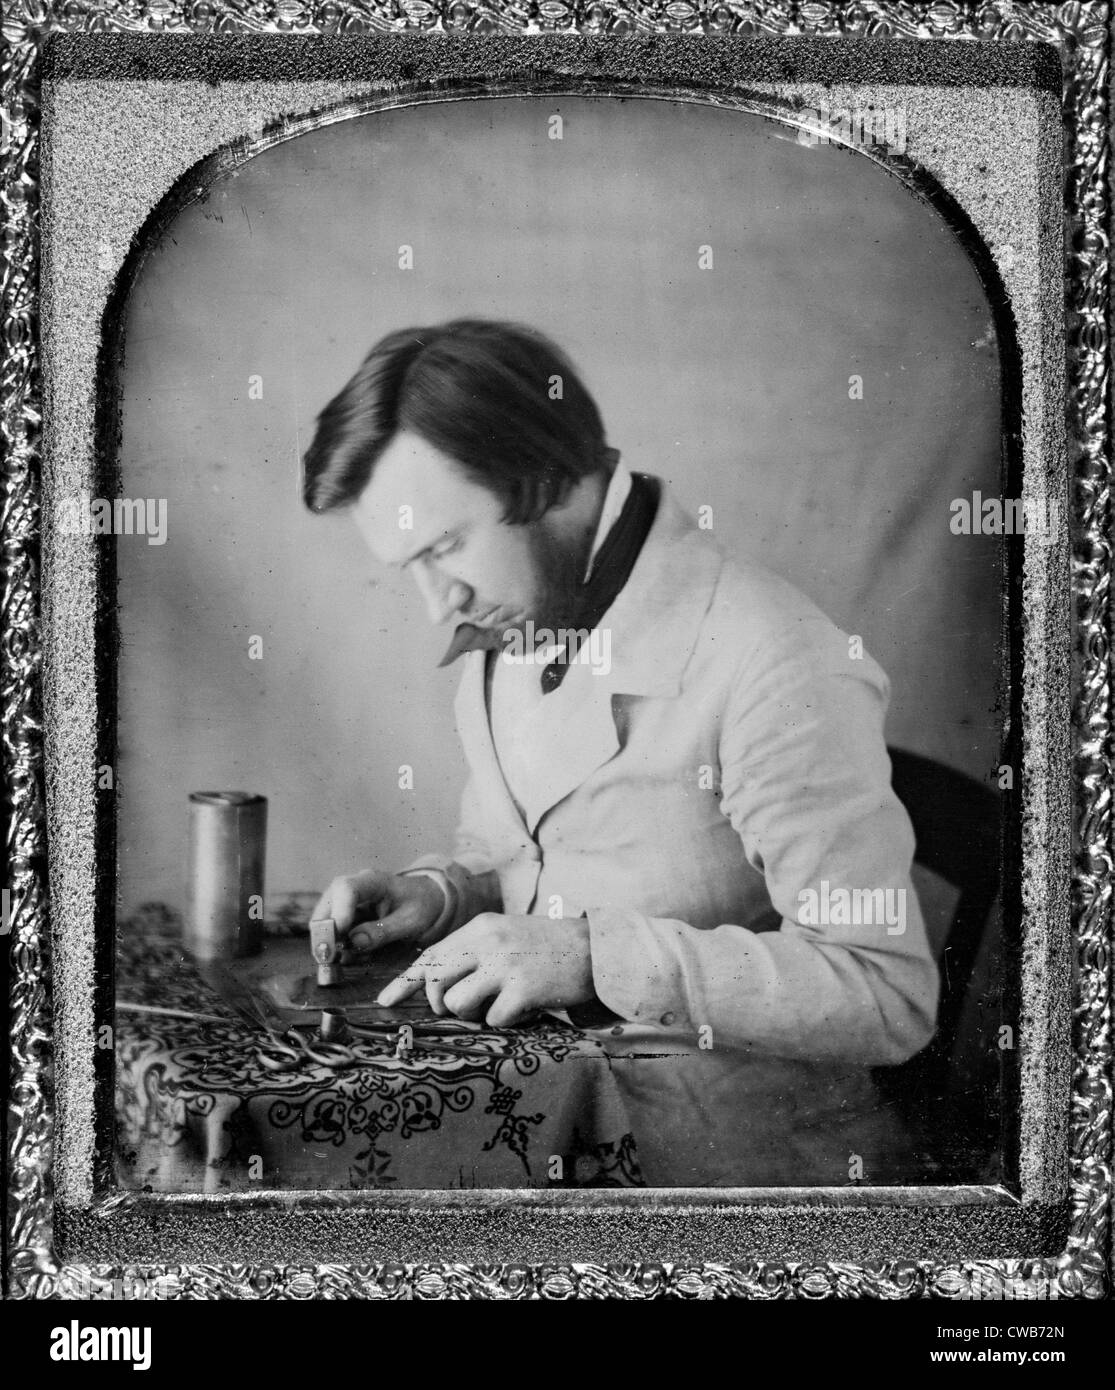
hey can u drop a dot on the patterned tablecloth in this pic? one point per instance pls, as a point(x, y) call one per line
point(210, 1105)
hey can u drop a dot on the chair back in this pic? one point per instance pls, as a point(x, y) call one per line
point(956, 823)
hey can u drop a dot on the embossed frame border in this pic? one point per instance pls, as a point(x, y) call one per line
point(1080, 33)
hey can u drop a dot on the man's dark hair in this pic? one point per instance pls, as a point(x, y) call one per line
point(482, 393)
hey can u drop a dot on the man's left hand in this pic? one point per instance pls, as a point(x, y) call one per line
point(501, 969)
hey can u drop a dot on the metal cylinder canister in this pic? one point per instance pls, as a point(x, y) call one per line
point(227, 850)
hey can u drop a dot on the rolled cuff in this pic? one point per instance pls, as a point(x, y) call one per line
point(451, 897)
point(631, 975)
point(470, 894)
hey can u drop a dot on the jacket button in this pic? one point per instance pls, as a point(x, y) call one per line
point(668, 1018)
point(617, 1031)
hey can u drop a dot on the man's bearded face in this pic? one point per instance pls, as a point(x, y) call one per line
point(422, 513)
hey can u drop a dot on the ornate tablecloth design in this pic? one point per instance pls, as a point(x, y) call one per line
point(208, 1106)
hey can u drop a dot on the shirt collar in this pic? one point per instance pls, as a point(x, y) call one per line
point(619, 485)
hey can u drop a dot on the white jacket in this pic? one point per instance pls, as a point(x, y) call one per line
point(714, 804)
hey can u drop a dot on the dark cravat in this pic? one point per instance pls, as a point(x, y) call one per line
point(610, 572)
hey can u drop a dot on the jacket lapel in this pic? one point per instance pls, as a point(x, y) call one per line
point(580, 734)
point(475, 733)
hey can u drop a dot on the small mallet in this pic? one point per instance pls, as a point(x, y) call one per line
point(326, 951)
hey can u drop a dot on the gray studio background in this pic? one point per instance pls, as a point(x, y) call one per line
point(731, 383)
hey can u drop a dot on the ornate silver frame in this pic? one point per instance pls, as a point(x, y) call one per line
point(41, 1238)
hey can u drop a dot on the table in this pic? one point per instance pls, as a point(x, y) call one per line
point(212, 1104)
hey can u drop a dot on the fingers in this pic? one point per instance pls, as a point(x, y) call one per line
point(464, 990)
point(401, 925)
point(342, 904)
point(510, 1007)
point(477, 995)
point(350, 896)
point(400, 988)
point(481, 995)
point(480, 970)
point(471, 997)
point(436, 970)
point(323, 907)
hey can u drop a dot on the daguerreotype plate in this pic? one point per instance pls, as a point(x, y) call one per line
point(727, 911)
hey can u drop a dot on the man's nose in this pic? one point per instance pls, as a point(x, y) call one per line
point(443, 596)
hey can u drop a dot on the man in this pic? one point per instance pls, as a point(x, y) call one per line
point(678, 823)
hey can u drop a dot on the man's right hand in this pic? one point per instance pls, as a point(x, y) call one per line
point(371, 908)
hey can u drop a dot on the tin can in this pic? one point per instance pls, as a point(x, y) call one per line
point(227, 849)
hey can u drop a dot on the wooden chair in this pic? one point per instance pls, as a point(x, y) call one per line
point(956, 825)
